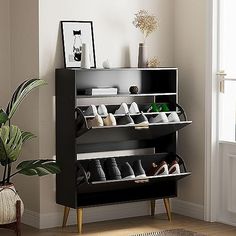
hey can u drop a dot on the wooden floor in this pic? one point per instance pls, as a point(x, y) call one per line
point(126, 227)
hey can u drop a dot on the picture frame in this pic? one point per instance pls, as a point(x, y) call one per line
point(74, 34)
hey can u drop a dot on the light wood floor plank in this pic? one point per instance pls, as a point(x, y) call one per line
point(126, 227)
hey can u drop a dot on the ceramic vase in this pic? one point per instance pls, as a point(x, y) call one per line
point(85, 60)
point(133, 89)
point(142, 56)
point(8, 198)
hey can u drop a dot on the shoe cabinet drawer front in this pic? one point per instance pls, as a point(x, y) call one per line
point(132, 132)
point(128, 172)
point(137, 192)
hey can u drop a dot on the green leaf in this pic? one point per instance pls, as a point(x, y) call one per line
point(3, 117)
point(12, 141)
point(20, 93)
point(27, 136)
point(38, 167)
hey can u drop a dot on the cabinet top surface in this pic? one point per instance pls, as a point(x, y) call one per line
point(120, 69)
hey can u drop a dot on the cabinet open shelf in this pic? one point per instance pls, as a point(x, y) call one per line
point(127, 95)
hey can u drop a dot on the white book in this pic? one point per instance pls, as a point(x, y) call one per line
point(101, 91)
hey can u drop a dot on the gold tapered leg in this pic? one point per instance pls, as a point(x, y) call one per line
point(167, 206)
point(153, 205)
point(65, 217)
point(79, 220)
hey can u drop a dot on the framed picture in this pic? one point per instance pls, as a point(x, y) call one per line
point(74, 34)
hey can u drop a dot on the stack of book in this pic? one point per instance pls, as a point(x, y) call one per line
point(101, 91)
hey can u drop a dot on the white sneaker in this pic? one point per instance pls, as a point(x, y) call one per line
point(95, 122)
point(91, 111)
point(133, 109)
point(173, 117)
point(160, 118)
point(102, 110)
point(123, 109)
point(110, 120)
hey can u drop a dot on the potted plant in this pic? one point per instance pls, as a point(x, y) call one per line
point(12, 139)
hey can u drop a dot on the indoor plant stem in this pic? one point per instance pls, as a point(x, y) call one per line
point(9, 162)
point(9, 173)
point(4, 175)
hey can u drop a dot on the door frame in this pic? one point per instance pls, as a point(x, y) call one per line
point(211, 190)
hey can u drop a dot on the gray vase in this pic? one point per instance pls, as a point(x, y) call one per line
point(85, 58)
point(142, 56)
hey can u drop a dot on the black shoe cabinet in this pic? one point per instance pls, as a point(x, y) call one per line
point(77, 145)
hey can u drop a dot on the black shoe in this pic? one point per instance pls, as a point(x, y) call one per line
point(138, 169)
point(125, 120)
point(96, 172)
point(141, 120)
point(112, 170)
point(127, 171)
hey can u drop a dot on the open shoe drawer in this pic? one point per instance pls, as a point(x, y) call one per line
point(85, 186)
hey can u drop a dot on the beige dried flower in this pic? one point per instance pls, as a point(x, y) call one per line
point(145, 22)
point(153, 62)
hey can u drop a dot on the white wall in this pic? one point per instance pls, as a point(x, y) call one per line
point(5, 52)
point(116, 39)
point(25, 65)
point(19, 61)
point(190, 58)
point(4, 55)
point(36, 51)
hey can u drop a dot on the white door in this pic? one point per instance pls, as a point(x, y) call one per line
point(227, 112)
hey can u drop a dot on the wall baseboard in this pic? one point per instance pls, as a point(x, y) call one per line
point(227, 222)
point(94, 214)
point(111, 212)
point(187, 209)
point(31, 218)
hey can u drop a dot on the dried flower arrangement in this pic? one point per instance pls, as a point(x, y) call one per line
point(145, 22)
point(153, 62)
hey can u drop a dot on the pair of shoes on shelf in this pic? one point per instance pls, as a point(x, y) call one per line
point(92, 110)
point(140, 120)
point(98, 121)
point(162, 168)
point(110, 171)
point(127, 172)
point(110, 120)
point(124, 109)
point(162, 118)
point(162, 107)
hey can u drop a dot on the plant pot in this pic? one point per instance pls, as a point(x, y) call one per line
point(8, 198)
